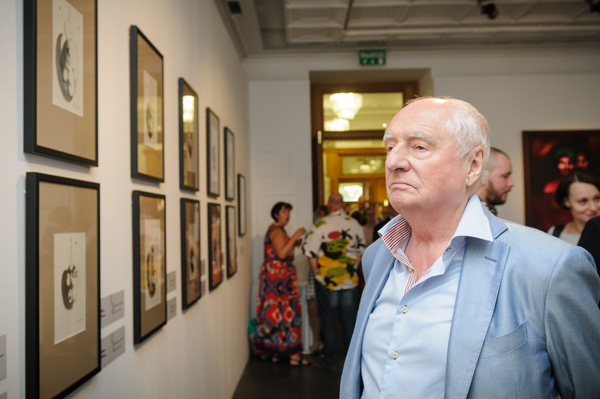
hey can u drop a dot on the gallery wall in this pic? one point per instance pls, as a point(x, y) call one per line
point(516, 89)
point(202, 351)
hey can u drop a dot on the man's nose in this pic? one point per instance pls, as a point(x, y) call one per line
point(396, 159)
point(511, 183)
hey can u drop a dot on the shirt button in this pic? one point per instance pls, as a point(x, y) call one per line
point(395, 355)
point(404, 309)
point(448, 249)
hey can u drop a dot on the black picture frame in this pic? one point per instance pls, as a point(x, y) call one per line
point(191, 288)
point(215, 255)
point(149, 248)
point(62, 284)
point(213, 169)
point(189, 165)
point(548, 156)
point(60, 82)
point(147, 108)
point(229, 164)
point(231, 240)
point(241, 204)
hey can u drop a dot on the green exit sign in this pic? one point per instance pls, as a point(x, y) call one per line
point(371, 57)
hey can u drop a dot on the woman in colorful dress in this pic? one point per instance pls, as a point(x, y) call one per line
point(278, 312)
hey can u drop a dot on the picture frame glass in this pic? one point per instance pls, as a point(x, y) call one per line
point(149, 264)
point(229, 165)
point(64, 321)
point(241, 205)
point(212, 156)
point(231, 241)
point(549, 156)
point(215, 257)
point(190, 236)
point(60, 84)
point(188, 135)
point(147, 109)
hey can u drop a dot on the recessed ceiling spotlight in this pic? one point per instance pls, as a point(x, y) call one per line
point(489, 9)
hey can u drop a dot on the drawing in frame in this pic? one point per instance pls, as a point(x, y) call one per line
point(61, 80)
point(147, 108)
point(231, 241)
point(215, 258)
point(229, 165)
point(241, 205)
point(212, 153)
point(548, 156)
point(188, 138)
point(190, 251)
point(62, 284)
point(149, 266)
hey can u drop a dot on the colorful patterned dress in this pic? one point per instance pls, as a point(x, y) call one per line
point(278, 311)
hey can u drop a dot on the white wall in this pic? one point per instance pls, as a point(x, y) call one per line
point(280, 154)
point(516, 89)
point(201, 353)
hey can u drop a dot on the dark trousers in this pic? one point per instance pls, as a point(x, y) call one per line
point(334, 305)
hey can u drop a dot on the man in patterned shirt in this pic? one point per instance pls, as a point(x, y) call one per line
point(334, 246)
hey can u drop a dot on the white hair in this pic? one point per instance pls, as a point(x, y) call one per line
point(466, 125)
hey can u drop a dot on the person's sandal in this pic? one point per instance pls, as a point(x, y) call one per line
point(299, 360)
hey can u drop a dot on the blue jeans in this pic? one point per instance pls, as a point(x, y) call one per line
point(334, 305)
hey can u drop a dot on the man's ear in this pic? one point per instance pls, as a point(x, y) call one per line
point(475, 166)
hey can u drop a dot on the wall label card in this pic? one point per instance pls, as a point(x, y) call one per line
point(171, 308)
point(171, 281)
point(113, 346)
point(112, 308)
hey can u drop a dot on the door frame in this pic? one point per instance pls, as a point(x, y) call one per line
point(409, 89)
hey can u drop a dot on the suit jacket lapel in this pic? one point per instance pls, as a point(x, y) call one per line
point(480, 279)
point(382, 265)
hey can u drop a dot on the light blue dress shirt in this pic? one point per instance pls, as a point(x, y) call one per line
point(406, 338)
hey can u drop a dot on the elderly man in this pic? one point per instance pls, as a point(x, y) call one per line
point(458, 303)
point(334, 246)
point(497, 181)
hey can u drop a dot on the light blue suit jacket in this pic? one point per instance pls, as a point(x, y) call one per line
point(526, 322)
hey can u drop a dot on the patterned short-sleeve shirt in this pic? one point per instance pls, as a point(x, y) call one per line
point(336, 240)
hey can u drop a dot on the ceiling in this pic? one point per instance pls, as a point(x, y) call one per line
point(310, 26)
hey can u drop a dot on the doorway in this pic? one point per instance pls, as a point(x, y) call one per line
point(348, 123)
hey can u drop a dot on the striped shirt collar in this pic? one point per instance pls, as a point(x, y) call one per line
point(473, 223)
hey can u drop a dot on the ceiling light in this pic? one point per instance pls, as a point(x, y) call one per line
point(346, 105)
point(337, 125)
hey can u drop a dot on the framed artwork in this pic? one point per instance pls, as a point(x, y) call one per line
point(215, 272)
point(229, 165)
point(190, 251)
point(62, 284)
point(231, 247)
point(61, 80)
point(549, 156)
point(149, 267)
point(212, 152)
point(147, 108)
point(188, 138)
point(241, 205)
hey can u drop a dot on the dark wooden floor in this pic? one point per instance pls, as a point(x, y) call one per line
point(265, 380)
